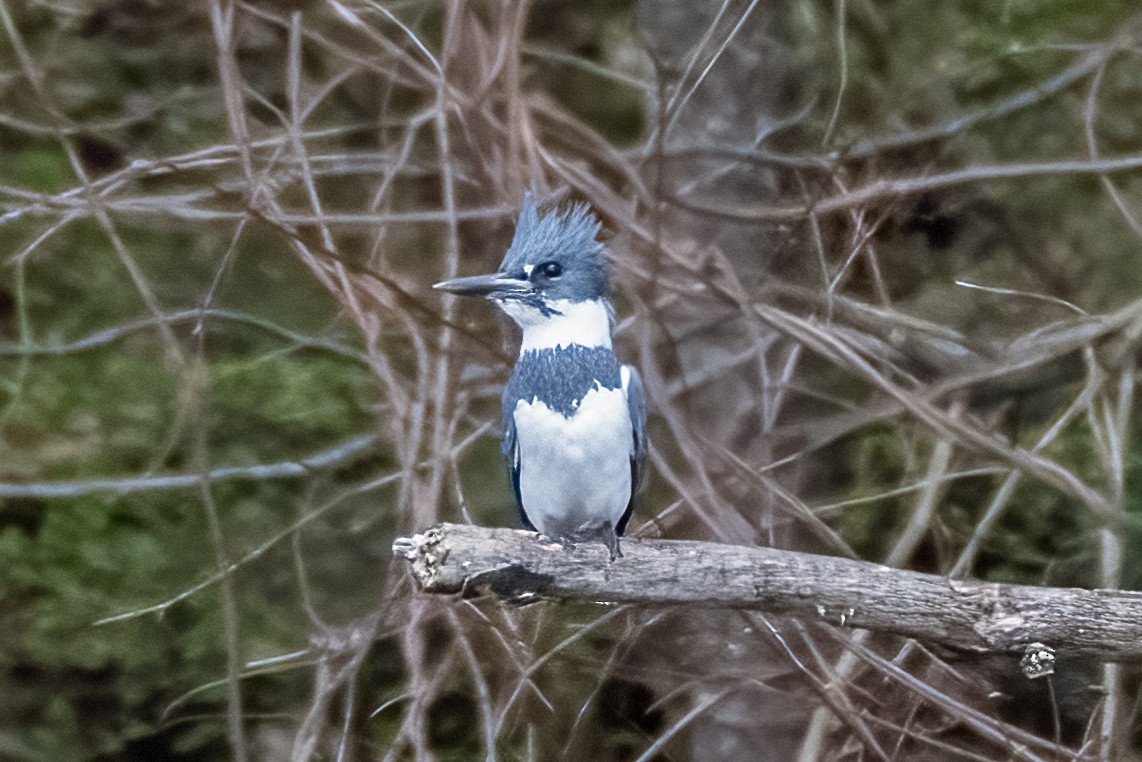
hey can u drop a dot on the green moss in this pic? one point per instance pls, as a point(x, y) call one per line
point(38, 166)
point(289, 398)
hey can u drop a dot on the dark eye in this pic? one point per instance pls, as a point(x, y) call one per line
point(550, 269)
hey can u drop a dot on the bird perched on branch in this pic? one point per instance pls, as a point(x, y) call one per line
point(574, 418)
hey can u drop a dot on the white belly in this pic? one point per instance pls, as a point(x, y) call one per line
point(575, 472)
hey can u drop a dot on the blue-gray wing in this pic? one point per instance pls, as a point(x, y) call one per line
point(511, 455)
point(636, 406)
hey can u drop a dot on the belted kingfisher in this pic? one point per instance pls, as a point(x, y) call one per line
point(574, 418)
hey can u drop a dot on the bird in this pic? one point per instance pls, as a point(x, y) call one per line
point(574, 417)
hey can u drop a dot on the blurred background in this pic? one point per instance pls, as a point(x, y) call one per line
point(879, 262)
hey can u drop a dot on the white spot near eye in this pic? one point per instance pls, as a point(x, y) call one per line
point(527, 270)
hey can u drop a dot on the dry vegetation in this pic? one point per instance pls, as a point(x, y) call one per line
point(877, 262)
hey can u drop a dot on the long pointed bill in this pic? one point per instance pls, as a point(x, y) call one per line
point(484, 285)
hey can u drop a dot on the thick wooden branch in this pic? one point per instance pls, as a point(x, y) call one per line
point(974, 616)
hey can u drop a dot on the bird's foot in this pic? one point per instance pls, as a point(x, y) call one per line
point(604, 534)
point(611, 540)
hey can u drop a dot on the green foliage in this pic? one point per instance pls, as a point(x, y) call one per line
point(35, 165)
point(288, 398)
point(79, 417)
point(66, 563)
point(77, 561)
point(84, 561)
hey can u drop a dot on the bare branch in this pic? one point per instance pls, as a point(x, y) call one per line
point(887, 189)
point(969, 615)
point(345, 452)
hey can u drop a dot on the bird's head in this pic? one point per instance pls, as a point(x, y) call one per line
point(555, 262)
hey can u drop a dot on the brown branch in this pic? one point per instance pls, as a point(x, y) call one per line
point(968, 615)
point(888, 189)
